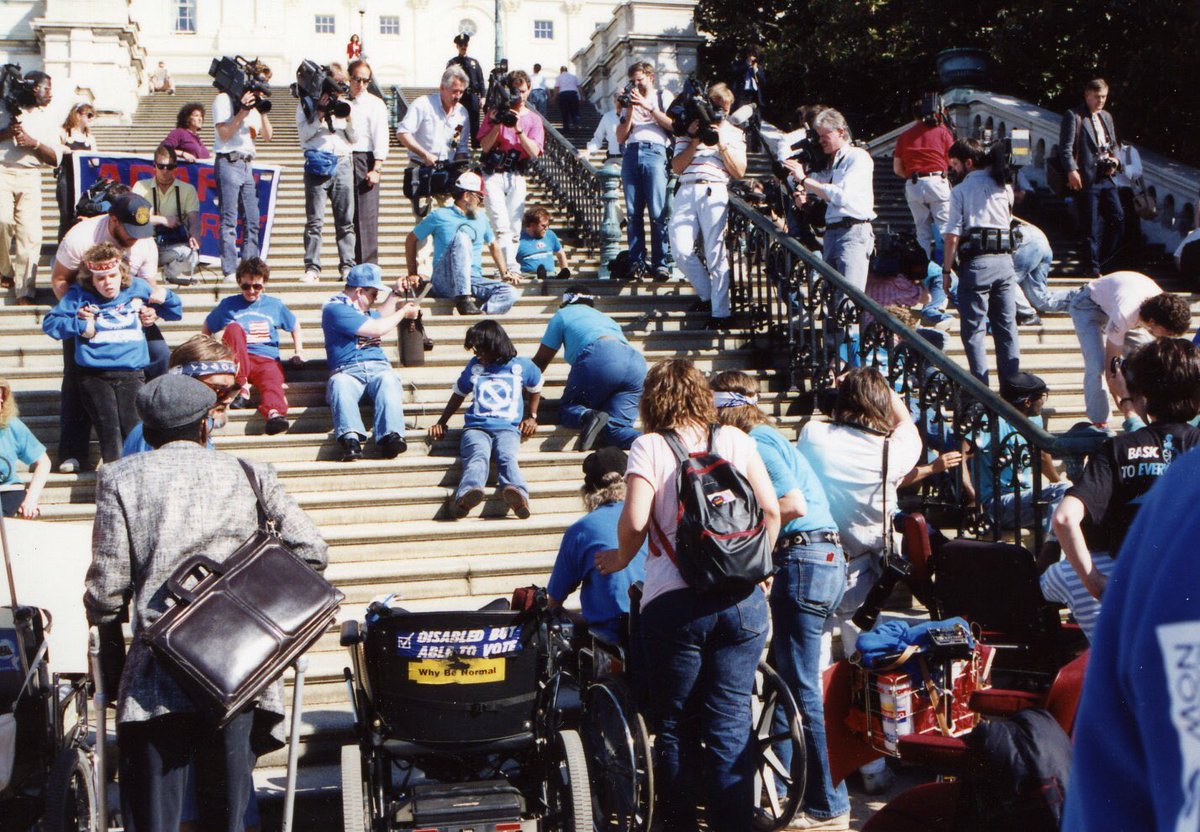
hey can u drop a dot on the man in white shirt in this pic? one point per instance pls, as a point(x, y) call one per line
point(237, 125)
point(328, 174)
point(645, 131)
point(566, 92)
point(606, 134)
point(370, 117)
point(435, 126)
point(29, 144)
point(538, 95)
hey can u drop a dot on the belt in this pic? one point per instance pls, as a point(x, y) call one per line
point(848, 222)
point(917, 176)
point(808, 539)
point(236, 157)
point(663, 145)
point(701, 182)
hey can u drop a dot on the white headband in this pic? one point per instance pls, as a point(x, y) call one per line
point(723, 399)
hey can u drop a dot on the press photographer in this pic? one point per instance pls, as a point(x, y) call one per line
point(327, 136)
point(240, 117)
point(510, 137)
point(709, 152)
point(1087, 146)
point(644, 129)
point(28, 142)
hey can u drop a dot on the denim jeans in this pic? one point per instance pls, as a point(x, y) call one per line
point(606, 376)
point(809, 584)
point(935, 312)
point(849, 251)
point(644, 174)
point(237, 192)
point(339, 189)
point(701, 654)
point(987, 290)
point(862, 572)
point(476, 448)
point(538, 100)
point(1052, 495)
point(345, 390)
point(1103, 221)
point(1032, 261)
point(454, 275)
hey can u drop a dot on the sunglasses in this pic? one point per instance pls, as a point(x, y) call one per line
point(360, 80)
point(252, 287)
point(164, 167)
point(224, 394)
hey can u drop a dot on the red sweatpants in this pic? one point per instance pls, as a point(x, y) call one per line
point(264, 373)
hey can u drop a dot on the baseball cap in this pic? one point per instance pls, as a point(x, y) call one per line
point(174, 401)
point(1022, 386)
point(367, 276)
point(597, 464)
point(133, 212)
point(470, 181)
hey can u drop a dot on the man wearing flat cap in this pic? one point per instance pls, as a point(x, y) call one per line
point(153, 512)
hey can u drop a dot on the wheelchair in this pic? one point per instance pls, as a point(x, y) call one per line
point(465, 720)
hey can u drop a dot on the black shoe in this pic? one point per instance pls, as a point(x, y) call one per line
point(1029, 319)
point(563, 274)
point(351, 448)
point(465, 305)
point(468, 501)
point(541, 272)
point(719, 324)
point(516, 500)
point(589, 429)
point(276, 424)
point(240, 402)
point(391, 445)
point(701, 305)
point(662, 274)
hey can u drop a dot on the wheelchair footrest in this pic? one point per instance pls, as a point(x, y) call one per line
point(449, 806)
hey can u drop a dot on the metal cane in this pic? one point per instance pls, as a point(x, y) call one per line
point(289, 794)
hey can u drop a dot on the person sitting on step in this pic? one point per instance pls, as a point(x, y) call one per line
point(459, 233)
point(251, 322)
point(495, 422)
point(540, 249)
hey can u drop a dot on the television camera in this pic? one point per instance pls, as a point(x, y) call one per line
point(237, 76)
point(315, 82)
point(692, 105)
point(16, 94)
point(502, 98)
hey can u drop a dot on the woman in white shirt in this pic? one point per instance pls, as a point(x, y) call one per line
point(701, 650)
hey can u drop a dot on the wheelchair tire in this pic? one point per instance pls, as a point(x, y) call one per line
point(70, 797)
point(773, 811)
point(618, 745)
point(355, 802)
point(570, 788)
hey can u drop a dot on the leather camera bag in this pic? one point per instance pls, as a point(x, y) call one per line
point(234, 632)
point(412, 342)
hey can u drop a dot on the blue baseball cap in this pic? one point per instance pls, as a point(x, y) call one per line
point(367, 276)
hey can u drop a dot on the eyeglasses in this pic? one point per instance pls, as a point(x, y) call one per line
point(357, 80)
point(224, 394)
point(252, 287)
point(164, 167)
point(87, 115)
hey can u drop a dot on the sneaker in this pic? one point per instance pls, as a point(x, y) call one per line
point(662, 274)
point(275, 424)
point(392, 445)
point(241, 401)
point(467, 501)
point(310, 276)
point(69, 466)
point(589, 429)
point(229, 278)
point(837, 823)
point(1029, 319)
point(351, 448)
point(465, 305)
point(541, 272)
point(516, 500)
point(875, 783)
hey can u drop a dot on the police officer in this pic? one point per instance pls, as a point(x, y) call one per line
point(476, 87)
point(978, 230)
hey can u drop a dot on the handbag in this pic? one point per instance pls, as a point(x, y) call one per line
point(234, 632)
point(1143, 204)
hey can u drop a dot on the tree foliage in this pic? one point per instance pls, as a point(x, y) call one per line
point(871, 58)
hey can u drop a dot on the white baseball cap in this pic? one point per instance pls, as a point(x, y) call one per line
point(470, 181)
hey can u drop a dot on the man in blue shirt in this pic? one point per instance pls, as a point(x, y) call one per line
point(459, 233)
point(540, 250)
point(358, 364)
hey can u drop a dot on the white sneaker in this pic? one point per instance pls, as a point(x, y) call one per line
point(68, 466)
point(837, 823)
point(310, 276)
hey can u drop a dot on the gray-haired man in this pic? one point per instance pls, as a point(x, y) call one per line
point(435, 126)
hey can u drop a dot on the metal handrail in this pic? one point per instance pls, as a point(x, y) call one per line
point(575, 182)
point(397, 105)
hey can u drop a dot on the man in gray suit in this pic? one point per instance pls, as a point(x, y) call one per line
point(1087, 144)
point(153, 512)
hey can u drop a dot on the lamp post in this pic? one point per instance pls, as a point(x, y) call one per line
point(499, 35)
point(362, 25)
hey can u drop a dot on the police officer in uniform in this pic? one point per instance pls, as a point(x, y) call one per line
point(476, 87)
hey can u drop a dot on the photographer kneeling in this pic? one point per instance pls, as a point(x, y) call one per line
point(711, 152)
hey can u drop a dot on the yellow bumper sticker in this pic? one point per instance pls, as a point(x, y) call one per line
point(456, 671)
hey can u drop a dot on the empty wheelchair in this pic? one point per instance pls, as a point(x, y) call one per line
point(465, 720)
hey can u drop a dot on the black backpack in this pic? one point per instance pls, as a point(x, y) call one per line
point(1016, 776)
point(721, 544)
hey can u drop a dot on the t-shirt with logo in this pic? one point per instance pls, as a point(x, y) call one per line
point(1119, 474)
point(495, 391)
point(119, 342)
point(537, 251)
point(260, 320)
point(340, 321)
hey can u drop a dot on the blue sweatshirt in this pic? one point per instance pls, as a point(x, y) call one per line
point(119, 342)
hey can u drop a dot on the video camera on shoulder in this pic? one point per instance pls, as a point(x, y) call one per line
point(1008, 155)
point(16, 93)
point(929, 109)
point(503, 98)
point(807, 151)
point(237, 76)
point(314, 82)
point(692, 105)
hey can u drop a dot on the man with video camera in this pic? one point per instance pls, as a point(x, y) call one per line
point(475, 89)
point(238, 124)
point(28, 144)
point(327, 136)
point(1087, 151)
point(645, 131)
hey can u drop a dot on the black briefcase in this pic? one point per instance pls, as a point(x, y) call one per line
point(237, 625)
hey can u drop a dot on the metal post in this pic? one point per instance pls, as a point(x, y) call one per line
point(99, 759)
point(499, 35)
point(289, 794)
point(610, 227)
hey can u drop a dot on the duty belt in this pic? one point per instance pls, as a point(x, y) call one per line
point(808, 539)
point(917, 176)
point(988, 241)
point(848, 222)
point(237, 157)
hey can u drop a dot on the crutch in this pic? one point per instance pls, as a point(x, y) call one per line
point(289, 792)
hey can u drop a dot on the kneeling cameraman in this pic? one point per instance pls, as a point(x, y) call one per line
point(511, 136)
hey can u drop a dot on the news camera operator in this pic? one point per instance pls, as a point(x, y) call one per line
point(511, 136)
point(1087, 151)
point(644, 129)
point(472, 98)
point(327, 136)
point(27, 145)
point(238, 124)
point(370, 116)
point(920, 159)
point(846, 185)
point(710, 152)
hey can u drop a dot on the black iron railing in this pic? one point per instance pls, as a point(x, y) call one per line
point(397, 106)
point(577, 185)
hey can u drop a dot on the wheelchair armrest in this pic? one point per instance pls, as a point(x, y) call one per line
point(946, 755)
point(350, 633)
point(1000, 702)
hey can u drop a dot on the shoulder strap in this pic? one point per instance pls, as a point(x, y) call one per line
point(887, 523)
point(712, 438)
point(675, 444)
point(154, 193)
point(178, 204)
point(265, 522)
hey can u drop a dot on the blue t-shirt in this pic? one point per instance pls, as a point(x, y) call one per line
point(17, 442)
point(340, 321)
point(603, 597)
point(261, 321)
point(495, 392)
point(981, 465)
point(576, 326)
point(119, 342)
point(135, 443)
point(444, 223)
point(537, 251)
point(790, 471)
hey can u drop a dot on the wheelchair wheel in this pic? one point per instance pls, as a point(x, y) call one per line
point(356, 804)
point(618, 745)
point(776, 721)
point(569, 792)
point(70, 794)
